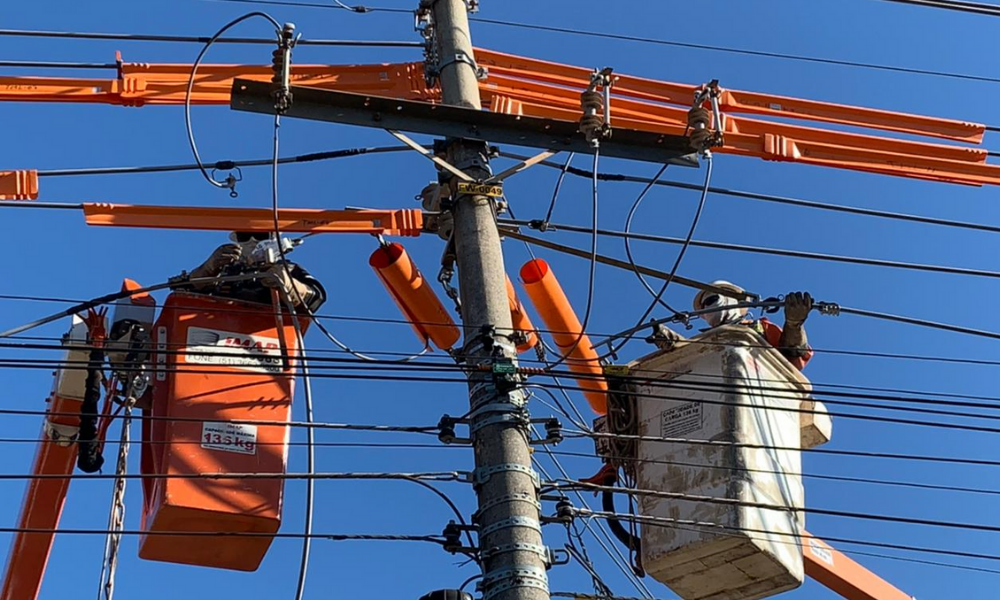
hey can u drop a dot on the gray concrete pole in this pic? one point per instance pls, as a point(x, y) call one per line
point(508, 517)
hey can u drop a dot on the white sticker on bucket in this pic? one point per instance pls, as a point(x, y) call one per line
point(820, 552)
point(236, 350)
point(229, 437)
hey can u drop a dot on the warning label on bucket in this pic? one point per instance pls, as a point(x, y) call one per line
point(228, 349)
point(681, 420)
point(229, 437)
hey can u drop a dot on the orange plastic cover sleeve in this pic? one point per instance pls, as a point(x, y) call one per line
point(520, 319)
point(19, 185)
point(414, 296)
point(550, 301)
point(402, 222)
point(844, 576)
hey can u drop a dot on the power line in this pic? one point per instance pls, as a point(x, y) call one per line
point(777, 393)
point(335, 537)
point(759, 53)
point(187, 39)
point(662, 42)
point(357, 9)
point(222, 165)
point(826, 451)
point(34, 64)
point(779, 507)
point(689, 525)
point(980, 8)
point(784, 200)
point(872, 262)
point(804, 475)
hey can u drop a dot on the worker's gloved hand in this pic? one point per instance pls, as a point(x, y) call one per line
point(663, 337)
point(797, 307)
point(222, 257)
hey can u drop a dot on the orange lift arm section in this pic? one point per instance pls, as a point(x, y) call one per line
point(42, 506)
point(402, 222)
point(842, 575)
point(735, 101)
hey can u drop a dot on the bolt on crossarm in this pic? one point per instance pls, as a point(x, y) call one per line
point(508, 518)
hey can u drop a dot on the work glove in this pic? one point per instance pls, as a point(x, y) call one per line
point(797, 307)
point(663, 337)
point(277, 277)
point(222, 257)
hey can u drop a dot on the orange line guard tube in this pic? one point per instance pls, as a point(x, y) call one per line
point(413, 295)
point(519, 319)
point(551, 303)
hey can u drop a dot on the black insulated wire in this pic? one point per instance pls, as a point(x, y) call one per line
point(188, 39)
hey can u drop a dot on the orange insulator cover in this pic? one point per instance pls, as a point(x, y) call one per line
point(551, 303)
point(520, 320)
point(206, 398)
point(414, 296)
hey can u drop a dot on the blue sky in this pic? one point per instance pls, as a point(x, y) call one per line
point(55, 254)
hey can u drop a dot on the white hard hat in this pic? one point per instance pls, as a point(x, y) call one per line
point(722, 284)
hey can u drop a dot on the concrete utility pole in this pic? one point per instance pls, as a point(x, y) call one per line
point(508, 517)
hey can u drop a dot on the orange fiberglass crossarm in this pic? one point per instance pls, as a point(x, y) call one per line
point(734, 101)
point(530, 87)
point(401, 222)
point(139, 84)
point(840, 574)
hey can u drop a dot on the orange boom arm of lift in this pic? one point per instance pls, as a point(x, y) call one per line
point(842, 575)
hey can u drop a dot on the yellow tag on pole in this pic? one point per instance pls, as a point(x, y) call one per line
point(480, 189)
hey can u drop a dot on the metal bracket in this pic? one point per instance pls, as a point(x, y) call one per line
point(525, 522)
point(511, 417)
point(482, 474)
point(460, 57)
point(497, 407)
point(542, 551)
point(531, 499)
point(501, 581)
point(437, 160)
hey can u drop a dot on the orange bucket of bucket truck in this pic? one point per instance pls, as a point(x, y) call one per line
point(222, 396)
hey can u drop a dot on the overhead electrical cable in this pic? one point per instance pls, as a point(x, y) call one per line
point(670, 522)
point(741, 532)
point(755, 392)
point(817, 451)
point(979, 8)
point(222, 165)
point(873, 262)
point(747, 52)
point(805, 475)
point(187, 39)
point(663, 42)
point(865, 516)
point(785, 200)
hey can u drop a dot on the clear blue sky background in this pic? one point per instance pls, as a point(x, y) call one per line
point(55, 254)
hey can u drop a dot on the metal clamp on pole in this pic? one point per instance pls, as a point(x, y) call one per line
point(514, 577)
point(543, 551)
point(482, 474)
point(526, 497)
